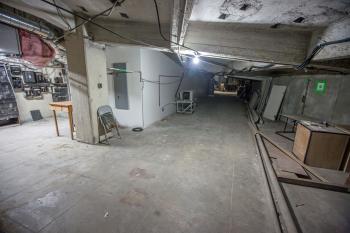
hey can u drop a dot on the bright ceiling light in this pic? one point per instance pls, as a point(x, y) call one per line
point(195, 60)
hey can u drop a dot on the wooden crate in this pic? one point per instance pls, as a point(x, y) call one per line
point(320, 146)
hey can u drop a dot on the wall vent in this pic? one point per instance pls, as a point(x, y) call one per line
point(223, 16)
point(244, 7)
point(299, 20)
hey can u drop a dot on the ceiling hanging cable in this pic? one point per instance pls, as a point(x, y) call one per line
point(117, 70)
point(59, 13)
point(162, 35)
point(103, 13)
point(104, 28)
point(317, 49)
point(113, 7)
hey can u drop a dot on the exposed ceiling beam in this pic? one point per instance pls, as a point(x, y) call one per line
point(176, 20)
point(43, 11)
point(250, 42)
point(335, 31)
point(188, 7)
point(181, 14)
point(146, 32)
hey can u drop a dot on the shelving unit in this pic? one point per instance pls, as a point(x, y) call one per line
point(8, 105)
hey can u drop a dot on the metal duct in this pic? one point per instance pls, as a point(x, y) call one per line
point(20, 22)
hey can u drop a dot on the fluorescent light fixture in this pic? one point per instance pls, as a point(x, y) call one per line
point(195, 60)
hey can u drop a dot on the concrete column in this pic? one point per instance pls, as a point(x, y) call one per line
point(88, 83)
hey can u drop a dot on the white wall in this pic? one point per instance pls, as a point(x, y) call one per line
point(153, 64)
point(131, 56)
point(25, 106)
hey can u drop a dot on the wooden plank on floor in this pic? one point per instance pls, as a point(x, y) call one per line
point(291, 178)
point(290, 155)
point(283, 162)
point(314, 184)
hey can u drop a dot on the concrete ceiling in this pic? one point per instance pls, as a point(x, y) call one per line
point(141, 24)
point(266, 30)
point(137, 10)
point(314, 12)
point(245, 33)
point(41, 10)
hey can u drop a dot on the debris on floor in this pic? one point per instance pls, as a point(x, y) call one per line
point(141, 173)
point(135, 197)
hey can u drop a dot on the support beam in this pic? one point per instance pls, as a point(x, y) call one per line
point(176, 20)
point(187, 11)
point(87, 68)
point(146, 32)
point(181, 14)
point(251, 42)
point(38, 9)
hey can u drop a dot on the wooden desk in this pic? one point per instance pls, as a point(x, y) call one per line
point(65, 106)
point(320, 146)
point(294, 119)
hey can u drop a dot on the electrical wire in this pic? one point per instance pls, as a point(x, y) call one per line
point(178, 87)
point(122, 36)
point(115, 70)
point(113, 7)
point(161, 83)
point(258, 67)
point(103, 13)
point(162, 35)
point(59, 13)
point(137, 129)
point(104, 28)
point(164, 83)
point(317, 49)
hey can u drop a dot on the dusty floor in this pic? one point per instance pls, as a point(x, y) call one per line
point(188, 173)
point(316, 210)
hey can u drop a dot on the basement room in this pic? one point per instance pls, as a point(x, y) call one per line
point(167, 116)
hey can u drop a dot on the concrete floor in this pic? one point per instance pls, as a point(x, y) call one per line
point(316, 210)
point(188, 173)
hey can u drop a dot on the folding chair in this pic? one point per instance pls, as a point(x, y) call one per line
point(108, 122)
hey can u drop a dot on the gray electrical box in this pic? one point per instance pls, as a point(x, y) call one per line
point(121, 87)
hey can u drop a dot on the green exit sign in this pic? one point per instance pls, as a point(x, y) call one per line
point(320, 86)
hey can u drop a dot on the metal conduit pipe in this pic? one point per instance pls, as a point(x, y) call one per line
point(318, 48)
point(20, 22)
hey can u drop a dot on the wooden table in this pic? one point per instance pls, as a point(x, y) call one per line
point(65, 106)
point(294, 119)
